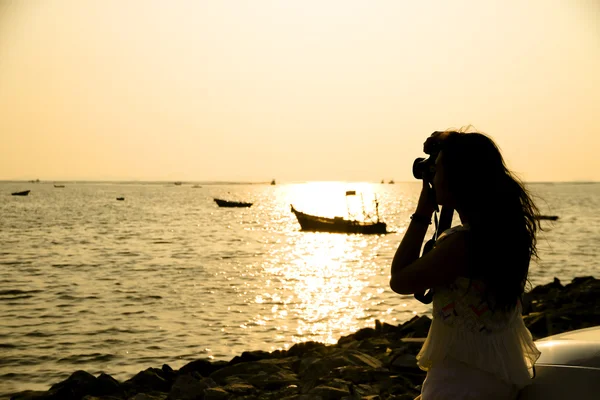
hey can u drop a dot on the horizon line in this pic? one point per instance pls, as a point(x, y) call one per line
point(216, 182)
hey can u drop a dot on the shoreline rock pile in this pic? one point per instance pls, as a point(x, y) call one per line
point(553, 308)
point(373, 363)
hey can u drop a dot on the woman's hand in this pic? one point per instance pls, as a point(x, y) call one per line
point(427, 203)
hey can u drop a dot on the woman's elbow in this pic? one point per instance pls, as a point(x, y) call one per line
point(400, 287)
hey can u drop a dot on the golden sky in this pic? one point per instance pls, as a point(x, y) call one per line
point(293, 90)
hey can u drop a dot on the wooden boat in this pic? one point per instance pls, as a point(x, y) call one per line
point(273, 182)
point(226, 203)
point(338, 224)
point(21, 193)
point(120, 198)
point(547, 217)
point(59, 186)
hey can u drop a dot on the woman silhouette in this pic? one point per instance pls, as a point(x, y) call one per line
point(478, 346)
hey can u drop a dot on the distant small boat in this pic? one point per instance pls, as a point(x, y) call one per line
point(273, 182)
point(196, 187)
point(21, 193)
point(391, 182)
point(177, 183)
point(547, 217)
point(226, 203)
point(382, 181)
point(59, 186)
point(120, 198)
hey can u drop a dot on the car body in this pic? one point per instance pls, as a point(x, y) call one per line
point(569, 367)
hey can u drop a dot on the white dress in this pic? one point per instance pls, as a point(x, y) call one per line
point(471, 352)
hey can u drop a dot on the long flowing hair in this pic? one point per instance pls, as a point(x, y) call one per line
point(500, 211)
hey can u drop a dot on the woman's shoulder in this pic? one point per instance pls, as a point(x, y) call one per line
point(457, 232)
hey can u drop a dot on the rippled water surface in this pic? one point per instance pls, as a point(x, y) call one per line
point(88, 282)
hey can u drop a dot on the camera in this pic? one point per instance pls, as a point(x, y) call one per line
point(424, 168)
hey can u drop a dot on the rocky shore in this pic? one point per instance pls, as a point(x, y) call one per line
point(372, 363)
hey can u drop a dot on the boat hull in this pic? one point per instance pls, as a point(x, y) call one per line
point(23, 193)
point(547, 217)
point(232, 204)
point(337, 225)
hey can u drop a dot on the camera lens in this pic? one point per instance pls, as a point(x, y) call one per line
point(419, 166)
point(424, 168)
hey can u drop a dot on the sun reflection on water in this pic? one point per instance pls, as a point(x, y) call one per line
point(316, 276)
point(315, 286)
point(320, 284)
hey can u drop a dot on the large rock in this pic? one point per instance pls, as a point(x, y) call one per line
point(249, 356)
point(107, 385)
point(416, 327)
point(275, 380)
point(245, 369)
point(312, 368)
point(149, 380)
point(216, 393)
point(240, 389)
point(353, 373)
point(374, 345)
point(32, 395)
point(79, 384)
point(328, 393)
point(299, 349)
point(190, 387)
point(203, 367)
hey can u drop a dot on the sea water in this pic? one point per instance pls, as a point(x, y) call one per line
point(166, 276)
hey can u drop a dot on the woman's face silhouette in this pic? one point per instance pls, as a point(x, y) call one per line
point(440, 184)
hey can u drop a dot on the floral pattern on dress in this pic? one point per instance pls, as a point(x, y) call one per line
point(463, 303)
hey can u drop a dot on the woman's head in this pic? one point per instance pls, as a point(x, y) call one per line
point(471, 177)
point(470, 170)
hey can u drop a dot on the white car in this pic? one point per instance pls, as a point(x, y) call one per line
point(569, 367)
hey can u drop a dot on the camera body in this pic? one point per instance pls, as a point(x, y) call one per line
point(424, 168)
